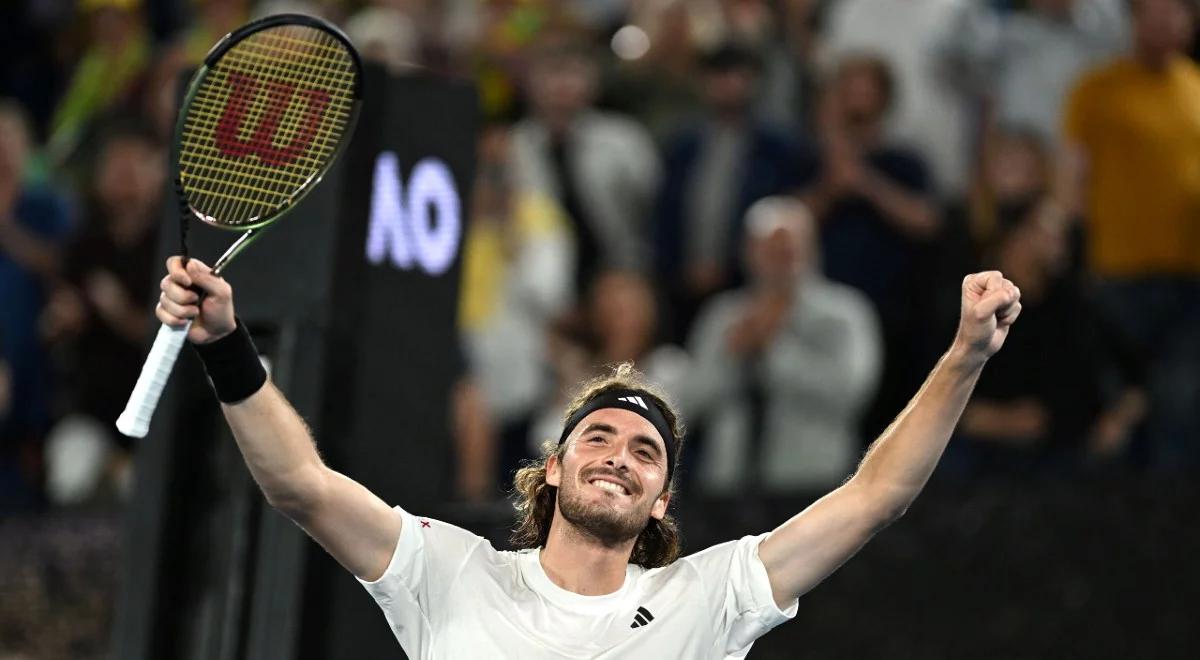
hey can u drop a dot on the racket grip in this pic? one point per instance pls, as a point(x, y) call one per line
point(135, 420)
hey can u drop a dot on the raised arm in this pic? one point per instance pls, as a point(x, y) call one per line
point(806, 549)
point(349, 521)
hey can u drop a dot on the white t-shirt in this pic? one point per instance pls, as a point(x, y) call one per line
point(448, 593)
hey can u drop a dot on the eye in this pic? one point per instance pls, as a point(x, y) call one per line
point(594, 439)
point(645, 454)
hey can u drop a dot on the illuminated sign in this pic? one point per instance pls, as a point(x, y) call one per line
point(423, 228)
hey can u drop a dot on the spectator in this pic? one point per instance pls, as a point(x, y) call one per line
point(872, 200)
point(33, 223)
point(385, 34)
point(782, 368)
point(492, 43)
point(33, 70)
point(601, 168)
point(213, 19)
point(518, 269)
point(620, 323)
point(909, 35)
point(1131, 163)
point(1065, 386)
point(99, 314)
point(789, 81)
point(1024, 62)
point(107, 75)
point(713, 173)
point(1016, 168)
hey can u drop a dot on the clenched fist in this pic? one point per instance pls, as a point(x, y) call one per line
point(212, 317)
point(990, 304)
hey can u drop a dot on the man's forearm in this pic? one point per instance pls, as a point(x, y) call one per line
point(278, 449)
point(899, 463)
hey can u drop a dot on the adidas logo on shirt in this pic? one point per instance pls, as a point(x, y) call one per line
point(642, 618)
point(636, 400)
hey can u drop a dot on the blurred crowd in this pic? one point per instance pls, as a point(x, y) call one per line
point(767, 205)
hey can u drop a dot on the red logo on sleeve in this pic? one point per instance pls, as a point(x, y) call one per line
point(424, 523)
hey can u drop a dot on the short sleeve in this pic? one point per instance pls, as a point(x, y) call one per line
point(737, 586)
point(429, 556)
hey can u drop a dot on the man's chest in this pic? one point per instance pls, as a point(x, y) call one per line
point(528, 626)
point(1151, 115)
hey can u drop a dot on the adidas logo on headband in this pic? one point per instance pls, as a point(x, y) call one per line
point(635, 400)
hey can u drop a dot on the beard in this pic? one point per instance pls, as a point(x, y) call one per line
point(608, 525)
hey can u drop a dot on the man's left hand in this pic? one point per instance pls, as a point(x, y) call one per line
point(990, 305)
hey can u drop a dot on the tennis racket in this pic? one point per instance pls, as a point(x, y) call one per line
point(262, 121)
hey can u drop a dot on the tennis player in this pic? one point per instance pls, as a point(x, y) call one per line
point(600, 575)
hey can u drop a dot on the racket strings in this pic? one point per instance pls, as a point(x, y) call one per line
point(300, 81)
point(234, 191)
point(254, 115)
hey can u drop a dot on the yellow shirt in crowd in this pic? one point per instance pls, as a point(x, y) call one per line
point(1140, 131)
point(490, 247)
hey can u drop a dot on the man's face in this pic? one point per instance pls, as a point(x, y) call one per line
point(622, 311)
point(1013, 168)
point(1162, 26)
point(861, 96)
point(611, 479)
point(129, 174)
point(562, 85)
point(729, 91)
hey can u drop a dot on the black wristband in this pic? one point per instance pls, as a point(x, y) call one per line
point(233, 366)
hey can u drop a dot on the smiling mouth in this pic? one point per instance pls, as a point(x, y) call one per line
point(609, 486)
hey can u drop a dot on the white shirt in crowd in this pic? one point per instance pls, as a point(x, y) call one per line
point(448, 593)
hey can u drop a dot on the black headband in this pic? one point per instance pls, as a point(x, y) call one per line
point(634, 401)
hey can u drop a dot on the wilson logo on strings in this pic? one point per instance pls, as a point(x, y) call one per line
point(243, 91)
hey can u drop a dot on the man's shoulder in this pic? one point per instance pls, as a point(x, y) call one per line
point(444, 534)
point(1115, 73)
point(713, 560)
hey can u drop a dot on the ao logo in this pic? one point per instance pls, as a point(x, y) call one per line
point(402, 227)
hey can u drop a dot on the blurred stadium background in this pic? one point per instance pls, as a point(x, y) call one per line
point(593, 172)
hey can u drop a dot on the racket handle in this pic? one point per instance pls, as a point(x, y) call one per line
point(135, 421)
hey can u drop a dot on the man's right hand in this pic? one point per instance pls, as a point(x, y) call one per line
point(212, 318)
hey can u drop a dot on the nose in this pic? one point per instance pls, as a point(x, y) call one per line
point(618, 458)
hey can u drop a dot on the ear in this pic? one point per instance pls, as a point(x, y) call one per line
point(553, 471)
point(659, 509)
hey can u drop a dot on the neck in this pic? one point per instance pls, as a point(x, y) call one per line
point(581, 564)
point(781, 291)
point(864, 136)
point(558, 124)
point(732, 116)
point(1152, 58)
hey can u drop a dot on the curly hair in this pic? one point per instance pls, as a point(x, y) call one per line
point(659, 543)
